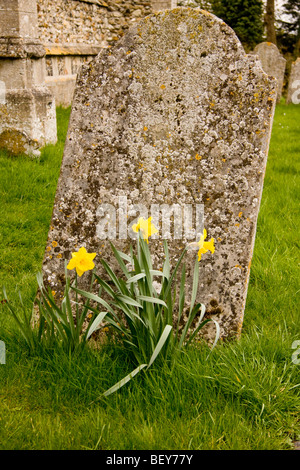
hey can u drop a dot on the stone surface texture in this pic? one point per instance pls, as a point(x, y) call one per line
point(293, 93)
point(174, 113)
point(273, 63)
point(74, 31)
point(27, 108)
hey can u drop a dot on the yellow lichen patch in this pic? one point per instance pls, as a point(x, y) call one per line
point(145, 128)
point(59, 256)
point(48, 248)
point(240, 214)
point(198, 157)
point(54, 243)
point(162, 87)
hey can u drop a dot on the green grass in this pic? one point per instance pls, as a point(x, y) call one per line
point(244, 396)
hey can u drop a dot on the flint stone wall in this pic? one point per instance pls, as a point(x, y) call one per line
point(74, 32)
point(80, 22)
point(273, 63)
point(175, 112)
point(293, 93)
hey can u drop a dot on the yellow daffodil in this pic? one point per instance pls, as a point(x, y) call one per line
point(82, 261)
point(205, 246)
point(146, 227)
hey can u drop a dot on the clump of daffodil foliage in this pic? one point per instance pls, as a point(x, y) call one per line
point(140, 314)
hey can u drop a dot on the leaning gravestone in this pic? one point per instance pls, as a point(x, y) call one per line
point(273, 63)
point(175, 116)
point(293, 93)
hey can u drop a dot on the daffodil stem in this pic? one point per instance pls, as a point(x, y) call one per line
point(77, 306)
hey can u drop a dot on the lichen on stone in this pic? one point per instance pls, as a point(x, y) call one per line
point(172, 122)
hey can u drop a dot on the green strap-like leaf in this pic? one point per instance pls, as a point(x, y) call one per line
point(195, 284)
point(135, 278)
point(128, 300)
point(124, 381)
point(153, 300)
point(161, 342)
point(96, 323)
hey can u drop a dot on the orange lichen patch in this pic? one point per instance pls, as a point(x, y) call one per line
point(145, 128)
point(162, 87)
point(237, 225)
point(48, 248)
point(198, 157)
point(54, 244)
point(59, 256)
point(240, 214)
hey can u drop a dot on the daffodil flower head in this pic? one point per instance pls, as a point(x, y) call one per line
point(145, 227)
point(205, 246)
point(82, 261)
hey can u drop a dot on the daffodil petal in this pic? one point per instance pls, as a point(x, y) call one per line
point(71, 264)
point(79, 271)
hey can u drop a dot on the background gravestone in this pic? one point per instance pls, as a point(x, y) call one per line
point(293, 94)
point(273, 63)
point(175, 112)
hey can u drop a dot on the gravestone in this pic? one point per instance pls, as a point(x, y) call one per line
point(27, 108)
point(273, 63)
point(293, 93)
point(174, 117)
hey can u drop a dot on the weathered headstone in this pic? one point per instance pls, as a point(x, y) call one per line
point(273, 63)
point(27, 108)
point(174, 116)
point(293, 93)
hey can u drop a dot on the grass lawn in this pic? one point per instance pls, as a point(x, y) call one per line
point(246, 395)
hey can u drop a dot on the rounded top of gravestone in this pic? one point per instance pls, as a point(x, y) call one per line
point(269, 49)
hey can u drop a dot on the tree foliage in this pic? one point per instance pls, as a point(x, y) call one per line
point(290, 34)
point(245, 17)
